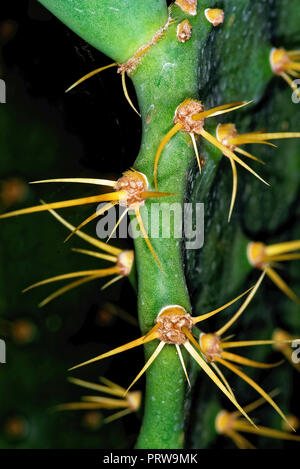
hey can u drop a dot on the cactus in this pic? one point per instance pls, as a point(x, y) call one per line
point(207, 81)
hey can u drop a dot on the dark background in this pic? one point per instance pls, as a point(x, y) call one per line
point(47, 133)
